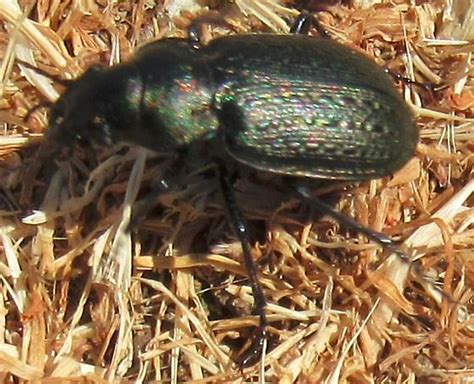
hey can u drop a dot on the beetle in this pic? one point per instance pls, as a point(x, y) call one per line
point(293, 105)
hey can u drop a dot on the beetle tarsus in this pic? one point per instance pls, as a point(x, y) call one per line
point(256, 350)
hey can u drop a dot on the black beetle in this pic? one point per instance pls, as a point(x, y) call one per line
point(289, 104)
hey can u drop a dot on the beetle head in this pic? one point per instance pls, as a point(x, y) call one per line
point(98, 107)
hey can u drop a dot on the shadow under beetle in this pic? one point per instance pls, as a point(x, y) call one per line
point(289, 104)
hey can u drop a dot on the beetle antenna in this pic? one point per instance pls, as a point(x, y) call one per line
point(55, 78)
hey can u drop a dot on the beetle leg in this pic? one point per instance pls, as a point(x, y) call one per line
point(239, 225)
point(305, 21)
point(385, 241)
point(195, 28)
point(194, 35)
point(142, 208)
point(302, 24)
point(430, 88)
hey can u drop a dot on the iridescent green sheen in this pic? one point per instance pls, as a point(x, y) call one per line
point(292, 104)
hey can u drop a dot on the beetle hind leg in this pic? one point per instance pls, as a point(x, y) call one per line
point(383, 240)
point(386, 242)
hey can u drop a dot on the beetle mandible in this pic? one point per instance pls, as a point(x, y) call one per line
point(289, 104)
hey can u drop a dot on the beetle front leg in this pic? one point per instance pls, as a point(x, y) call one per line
point(239, 225)
point(168, 181)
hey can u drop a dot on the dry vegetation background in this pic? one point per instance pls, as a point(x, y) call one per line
point(83, 299)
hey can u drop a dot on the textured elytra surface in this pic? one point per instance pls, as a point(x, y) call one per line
point(309, 107)
point(318, 130)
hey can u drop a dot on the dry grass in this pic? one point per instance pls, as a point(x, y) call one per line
point(83, 299)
